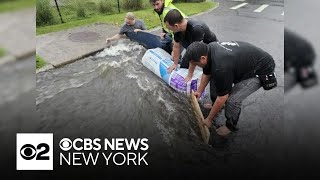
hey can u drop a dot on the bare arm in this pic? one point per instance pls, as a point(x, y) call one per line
point(204, 82)
point(175, 56)
point(190, 72)
point(115, 37)
point(220, 101)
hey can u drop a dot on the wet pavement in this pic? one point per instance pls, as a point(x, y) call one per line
point(301, 105)
point(112, 94)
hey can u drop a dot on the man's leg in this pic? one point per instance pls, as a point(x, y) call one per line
point(167, 43)
point(240, 91)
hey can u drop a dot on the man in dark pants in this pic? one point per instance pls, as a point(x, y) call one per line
point(238, 69)
point(186, 31)
point(299, 57)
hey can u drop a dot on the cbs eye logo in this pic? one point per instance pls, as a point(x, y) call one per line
point(34, 151)
point(65, 144)
point(28, 151)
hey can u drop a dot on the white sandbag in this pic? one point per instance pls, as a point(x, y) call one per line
point(158, 61)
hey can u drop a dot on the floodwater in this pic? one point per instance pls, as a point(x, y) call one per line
point(111, 94)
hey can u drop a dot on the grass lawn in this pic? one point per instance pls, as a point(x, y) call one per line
point(2, 52)
point(147, 15)
point(39, 62)
point(13, 5)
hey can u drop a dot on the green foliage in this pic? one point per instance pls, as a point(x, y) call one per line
point(39, 62)
point(105, 6)
point(44, 13)
point(80, 7)
point(2, 52)
point(133, 4)
point(150, 18)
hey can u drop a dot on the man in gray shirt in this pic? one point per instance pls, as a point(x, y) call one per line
point(131, 25)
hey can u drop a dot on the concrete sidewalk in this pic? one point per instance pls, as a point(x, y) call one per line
point(67, 46)
point(17, 34)
point(63, 47)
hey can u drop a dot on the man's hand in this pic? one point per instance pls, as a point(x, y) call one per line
point(171, 68)
point(136, 30)
point(188, 78)
point(223, 131)
point(108, 40)
point(207, 122)
point(197, 94)
point(162, 35)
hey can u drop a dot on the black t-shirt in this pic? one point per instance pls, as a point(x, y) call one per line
point(196, 31)
point(233, 61)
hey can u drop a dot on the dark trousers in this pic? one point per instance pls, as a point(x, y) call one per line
point(166, 43)
point(240, 91)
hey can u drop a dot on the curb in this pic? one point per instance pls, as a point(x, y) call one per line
point(7, 59)
point(45, 68)
point(50, 66)
point(11, 58)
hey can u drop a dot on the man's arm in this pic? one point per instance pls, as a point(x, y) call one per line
point(220, 101)
point(175, 56)
point(204, 82)
point(190, 72)
point(197, 35)
point(115, 37)
point(143, 26)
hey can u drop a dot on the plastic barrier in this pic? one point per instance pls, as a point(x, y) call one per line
point(158, 61)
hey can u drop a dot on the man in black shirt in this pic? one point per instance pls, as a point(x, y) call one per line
point(237, 69)
point(299, 57)
point(162, 7)
point(186, 31)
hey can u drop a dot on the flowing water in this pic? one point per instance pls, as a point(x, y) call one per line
point(111, 94)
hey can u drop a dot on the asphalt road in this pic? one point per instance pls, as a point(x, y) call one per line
point(301, 105)
point(17, 106)
point(265, 132)
point(262, 118)
point(251, 151)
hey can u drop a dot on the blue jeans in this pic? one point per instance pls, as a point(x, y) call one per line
point(166, 43)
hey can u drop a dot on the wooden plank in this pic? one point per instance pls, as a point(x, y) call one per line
point(205, 134)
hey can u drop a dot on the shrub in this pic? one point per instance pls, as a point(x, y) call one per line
point(81, 11)
point(44, 13)
point(79, 6)
point(105, 6)
point(133, 4)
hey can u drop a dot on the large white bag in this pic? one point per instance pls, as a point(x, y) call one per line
point(158, 61)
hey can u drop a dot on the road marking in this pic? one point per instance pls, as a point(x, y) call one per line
point(261, 8)
point(282, 14)
point(239, 6)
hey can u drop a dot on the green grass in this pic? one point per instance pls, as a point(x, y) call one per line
point(39, 62)
point(147, 15)
point(13, 5)
point(2, 52)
